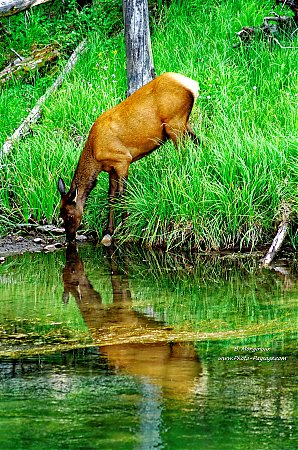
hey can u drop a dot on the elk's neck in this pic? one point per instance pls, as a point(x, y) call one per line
point(85, 175)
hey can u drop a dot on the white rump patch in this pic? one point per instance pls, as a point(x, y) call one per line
point(190, 84)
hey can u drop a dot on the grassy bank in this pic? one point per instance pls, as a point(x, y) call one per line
point(226, 194)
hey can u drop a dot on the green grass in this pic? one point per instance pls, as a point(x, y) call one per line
point(228, 193)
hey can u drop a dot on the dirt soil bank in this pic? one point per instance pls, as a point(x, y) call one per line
point(49, 238)
point(15, 244)
point(46, 239)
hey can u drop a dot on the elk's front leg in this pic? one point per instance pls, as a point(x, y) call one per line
point(113, 189)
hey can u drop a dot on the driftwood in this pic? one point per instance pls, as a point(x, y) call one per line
point(35, 113)
point(11, 7)
point(280, 236)
point(23, 66)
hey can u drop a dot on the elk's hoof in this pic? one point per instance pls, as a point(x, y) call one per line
point(107, 240)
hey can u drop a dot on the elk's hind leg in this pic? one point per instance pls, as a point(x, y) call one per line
point(117, 181)
point(177, 130)
point(122, 172)
point(192, 135)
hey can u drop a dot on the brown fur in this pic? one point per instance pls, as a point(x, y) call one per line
point(123, 134)
point(173, 367)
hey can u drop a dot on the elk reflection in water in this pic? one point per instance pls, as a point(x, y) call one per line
point(174, 367)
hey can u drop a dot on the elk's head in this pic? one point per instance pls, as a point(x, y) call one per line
point(70, 211)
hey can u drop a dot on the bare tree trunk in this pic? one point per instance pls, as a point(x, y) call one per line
point(10, 7)
point(139, 61)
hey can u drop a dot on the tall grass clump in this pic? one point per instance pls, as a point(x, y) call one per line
point(225, 193)
point(229, 192)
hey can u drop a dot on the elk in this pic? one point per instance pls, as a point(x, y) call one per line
point(129, 131)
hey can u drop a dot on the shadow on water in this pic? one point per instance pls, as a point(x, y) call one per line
point(172, 366)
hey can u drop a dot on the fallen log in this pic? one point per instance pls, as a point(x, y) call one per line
point(35, 113)
point(280, 236)
point(22, 66)
point(11, 7)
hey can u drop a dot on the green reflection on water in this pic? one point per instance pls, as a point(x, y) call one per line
point(78, 399)
point(144, 386)
point(103, 298)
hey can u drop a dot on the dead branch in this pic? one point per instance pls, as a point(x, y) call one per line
point(283, 46)
point(4, 30)
point(280, 236)
point(283, 22)
point(35, 113)
point(23, 66)
point(271, 28)
point(292, 4)
point(11, 7)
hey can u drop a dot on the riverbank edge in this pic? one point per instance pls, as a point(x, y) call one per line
point(40, 240)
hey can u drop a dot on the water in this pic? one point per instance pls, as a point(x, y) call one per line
point(127, 350)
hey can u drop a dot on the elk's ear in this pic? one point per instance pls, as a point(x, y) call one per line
point(73, 196)
point(61, 187)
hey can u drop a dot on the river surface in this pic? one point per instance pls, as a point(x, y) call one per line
point(120, 349)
